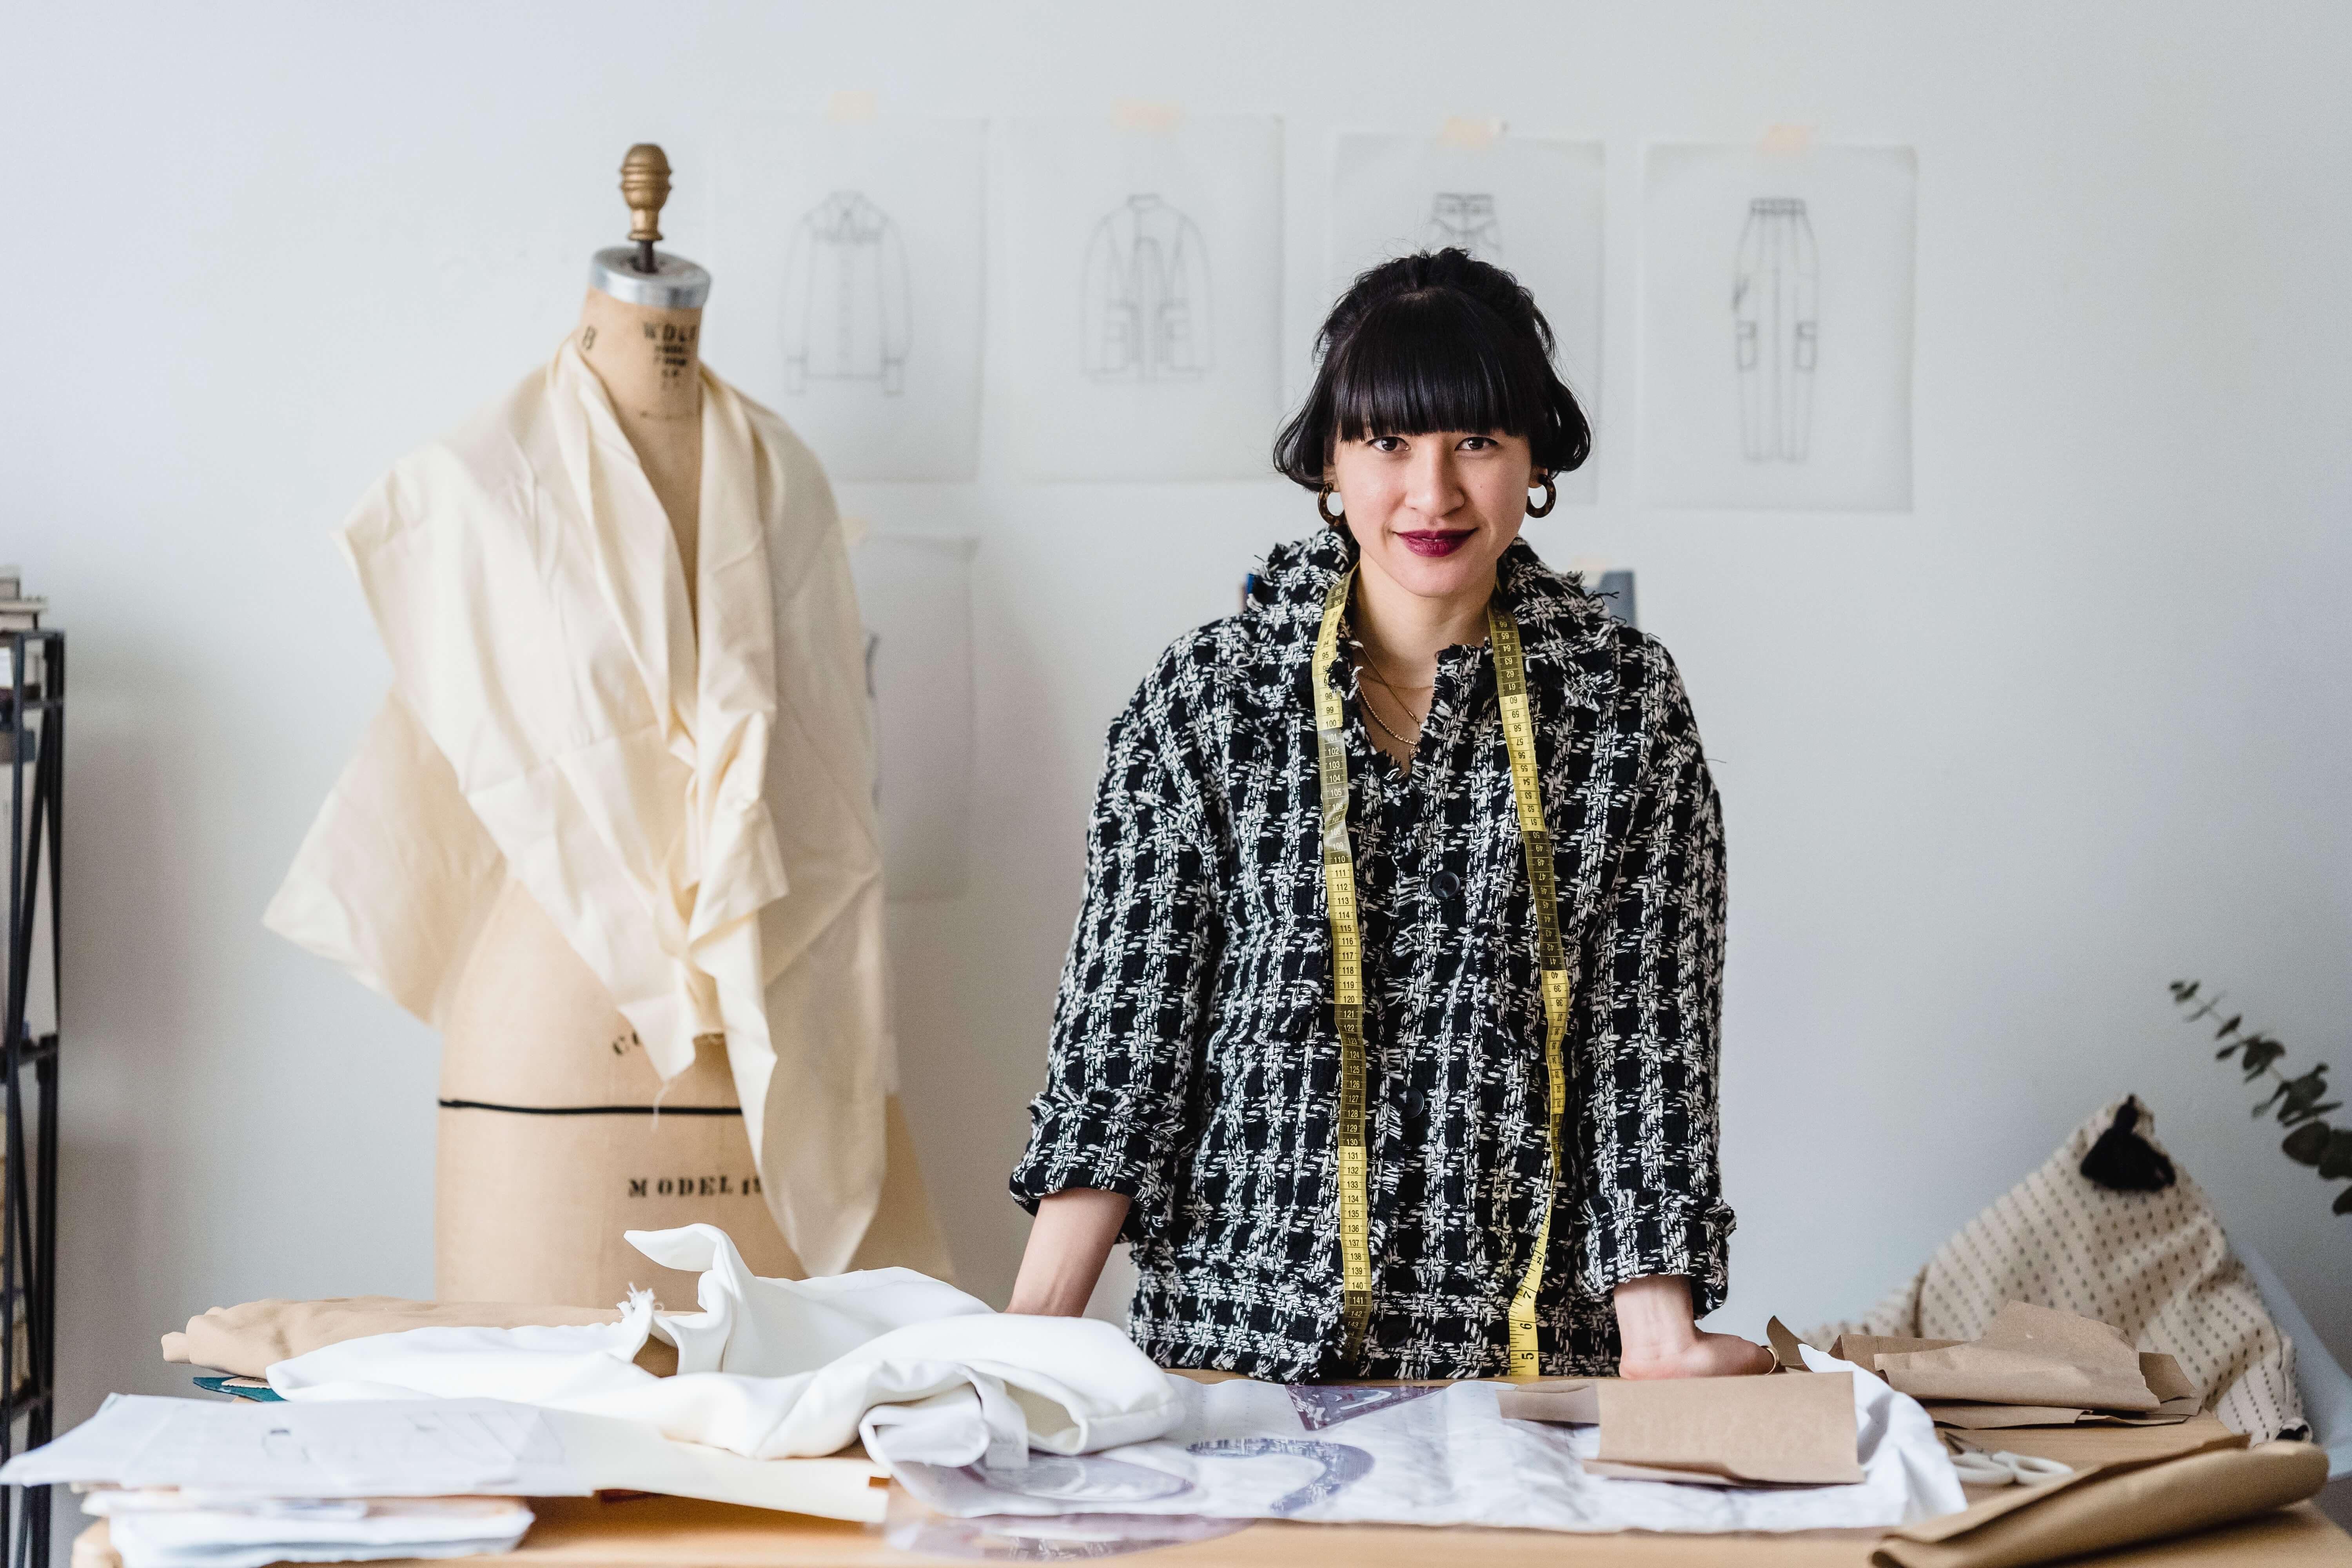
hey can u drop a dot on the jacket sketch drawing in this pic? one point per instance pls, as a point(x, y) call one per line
point(1145, 295)
point(685, 799)
point(847, 301)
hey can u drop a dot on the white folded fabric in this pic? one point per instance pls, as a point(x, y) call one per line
point(789, 1368)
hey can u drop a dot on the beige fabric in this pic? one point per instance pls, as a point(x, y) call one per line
point(247, 1339)
point(2153, 1265)
point(689, 804)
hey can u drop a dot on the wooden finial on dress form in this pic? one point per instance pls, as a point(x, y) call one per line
point(644, 185)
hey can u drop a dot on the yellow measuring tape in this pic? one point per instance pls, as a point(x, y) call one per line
point(1348, 967)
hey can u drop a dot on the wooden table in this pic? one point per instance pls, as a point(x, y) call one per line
point(676, 1532)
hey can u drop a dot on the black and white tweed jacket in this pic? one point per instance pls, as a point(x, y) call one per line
point(1195, 1061)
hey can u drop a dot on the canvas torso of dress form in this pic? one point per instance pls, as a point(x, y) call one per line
point(612, 830)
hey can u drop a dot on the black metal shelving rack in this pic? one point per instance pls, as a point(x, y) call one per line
point(32, 736)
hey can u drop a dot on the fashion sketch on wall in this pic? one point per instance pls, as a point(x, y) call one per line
point(1529, 205)
point(851, 252)
point(1776, 327)
point(1140, 267)
point(1776, 330)
point(1464, 220)
point(1145, 295)
point(847, 306)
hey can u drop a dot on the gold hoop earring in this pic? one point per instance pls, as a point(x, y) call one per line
point(1323, 508)
point(1551, 499)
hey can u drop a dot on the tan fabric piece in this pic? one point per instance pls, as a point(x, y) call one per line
point(688, 800)
point(246, 1339)
point(2153, 1265)
point(2108, 1506)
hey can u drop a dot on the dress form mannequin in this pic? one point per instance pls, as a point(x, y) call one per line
point(548, 1142)
point(640, 331)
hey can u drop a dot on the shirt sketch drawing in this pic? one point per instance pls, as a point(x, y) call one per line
point(846, 302)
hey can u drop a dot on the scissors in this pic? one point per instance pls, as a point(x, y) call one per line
point(1980, 1466)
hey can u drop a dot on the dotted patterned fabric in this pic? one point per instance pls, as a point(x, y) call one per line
point(1195, 1063)
point(2155, 1265)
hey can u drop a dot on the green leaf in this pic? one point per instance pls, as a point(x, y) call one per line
point(2182, 990)
point(2261, 1051)
point(2226, 1052)
point(2336, 1159)
point(2226, 1030)
point(2308, 1144)
point(2344, 1201)
point(2290, 1115)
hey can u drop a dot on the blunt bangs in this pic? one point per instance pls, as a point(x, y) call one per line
point(1434, 362)
point(1435, 341)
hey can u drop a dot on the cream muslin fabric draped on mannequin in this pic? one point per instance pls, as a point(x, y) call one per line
point(688, 803)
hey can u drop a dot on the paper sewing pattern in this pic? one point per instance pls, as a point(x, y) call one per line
point(1776, 330)
point(846, 302)
point(1531, 206)
point(849, 252)
point(1146, 295)
point(1141, 269)
point(1338, 1466)
point(1777, 326)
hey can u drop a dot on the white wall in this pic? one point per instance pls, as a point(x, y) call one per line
point(1994, 771)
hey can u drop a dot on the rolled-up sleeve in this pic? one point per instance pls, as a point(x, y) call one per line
point(1651, 1187)
point(1134, 990)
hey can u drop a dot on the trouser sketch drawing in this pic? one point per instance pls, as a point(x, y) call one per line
point(1775, 329)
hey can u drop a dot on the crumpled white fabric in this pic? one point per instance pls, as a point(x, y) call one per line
point(788, 1368)
point(1435, 1456)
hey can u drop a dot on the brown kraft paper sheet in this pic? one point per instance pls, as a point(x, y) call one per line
point(1771, 1431)
point(246, 1340)
point(2104, 1506)
point(2028, 1356)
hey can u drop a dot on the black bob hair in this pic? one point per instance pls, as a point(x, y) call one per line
point(1440, 341)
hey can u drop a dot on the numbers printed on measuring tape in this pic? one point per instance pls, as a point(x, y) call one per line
point(1347, 971)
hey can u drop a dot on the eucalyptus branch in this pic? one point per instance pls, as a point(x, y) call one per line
point(2301, 1103)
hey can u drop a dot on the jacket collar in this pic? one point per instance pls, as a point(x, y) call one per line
point(1560, 625)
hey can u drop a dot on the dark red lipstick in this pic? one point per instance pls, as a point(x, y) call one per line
point(1435, 542)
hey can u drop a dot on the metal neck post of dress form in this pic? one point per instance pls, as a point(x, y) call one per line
point(635, 273)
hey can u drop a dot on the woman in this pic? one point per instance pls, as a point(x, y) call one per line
point(1318, 1187)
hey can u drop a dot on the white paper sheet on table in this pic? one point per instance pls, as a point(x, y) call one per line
point(1142, 266)
point(423, 1448)
point(1777, 326)
point(167, 1529)
point(848, 256)
point(1532, 206)
point(1436, 1457)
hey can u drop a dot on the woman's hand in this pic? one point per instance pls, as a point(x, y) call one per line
point(1662, 1337)
point(1068, 1241)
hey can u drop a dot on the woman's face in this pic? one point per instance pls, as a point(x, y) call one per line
point(1434, 513)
